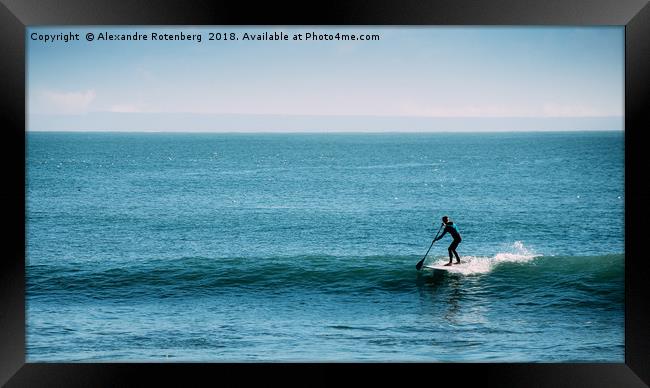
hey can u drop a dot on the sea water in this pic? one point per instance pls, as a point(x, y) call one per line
point(302, 247)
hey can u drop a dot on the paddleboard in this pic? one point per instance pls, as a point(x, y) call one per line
point(449, 268)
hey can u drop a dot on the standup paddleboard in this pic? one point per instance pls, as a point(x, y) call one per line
point(448, 268)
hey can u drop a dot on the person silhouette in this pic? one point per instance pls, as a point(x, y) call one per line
point(455, 234)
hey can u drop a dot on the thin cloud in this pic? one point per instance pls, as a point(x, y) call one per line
point(557, 110)
point(487, 111)
point(125, 108)
point(68, 102)
point(462, 111)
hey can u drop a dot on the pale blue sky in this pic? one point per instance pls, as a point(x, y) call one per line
point(415, 78)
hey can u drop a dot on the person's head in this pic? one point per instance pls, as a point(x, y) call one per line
point(445, 219)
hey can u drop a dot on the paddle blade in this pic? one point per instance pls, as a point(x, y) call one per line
point(419, 264)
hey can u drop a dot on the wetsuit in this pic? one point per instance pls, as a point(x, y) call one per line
point(453, 230)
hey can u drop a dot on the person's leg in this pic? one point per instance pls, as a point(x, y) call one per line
point(451, 255)
point(457, 257)
point(452, 248)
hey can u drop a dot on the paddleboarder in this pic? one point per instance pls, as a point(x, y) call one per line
point(455, 234)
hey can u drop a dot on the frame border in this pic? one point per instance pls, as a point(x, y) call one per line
point(17, 15)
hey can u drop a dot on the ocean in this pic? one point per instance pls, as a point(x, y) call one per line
point(206, 247)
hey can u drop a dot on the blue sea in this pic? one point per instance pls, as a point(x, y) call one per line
point(167, 247)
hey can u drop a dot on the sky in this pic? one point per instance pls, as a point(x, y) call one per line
point(411, 79)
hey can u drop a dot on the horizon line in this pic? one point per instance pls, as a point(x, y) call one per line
point(326, 131)
point(256, 115)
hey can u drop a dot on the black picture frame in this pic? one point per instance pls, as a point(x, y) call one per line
point(17, 15)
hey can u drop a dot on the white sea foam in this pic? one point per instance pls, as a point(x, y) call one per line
point(472, 265)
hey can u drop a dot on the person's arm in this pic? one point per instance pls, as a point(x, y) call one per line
point(443, 233)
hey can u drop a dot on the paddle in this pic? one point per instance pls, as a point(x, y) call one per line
point(419, 264)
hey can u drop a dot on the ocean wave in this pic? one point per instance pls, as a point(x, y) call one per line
point(195, 276)
point(474, 265)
